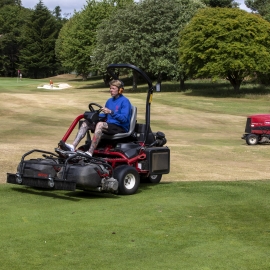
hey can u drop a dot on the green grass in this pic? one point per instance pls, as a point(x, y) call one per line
point(188, 225)
point(193, 224)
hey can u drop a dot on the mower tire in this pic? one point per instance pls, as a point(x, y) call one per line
point(252, 139)
point(154, 178)
point(128, 179)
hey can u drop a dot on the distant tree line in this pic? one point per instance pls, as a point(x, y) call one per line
point(27, 39)
point(172, 40)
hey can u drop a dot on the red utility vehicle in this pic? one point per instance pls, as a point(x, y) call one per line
point(257, 129)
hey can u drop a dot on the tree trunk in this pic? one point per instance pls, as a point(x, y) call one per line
point(106, 79)
point(236, 86)
point(135, 80)
point(183, 78)
point(182, 84)
point(84, 76)
point(235, 79)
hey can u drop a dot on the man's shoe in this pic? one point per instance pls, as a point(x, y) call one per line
point(70, 147)
point(87, 153)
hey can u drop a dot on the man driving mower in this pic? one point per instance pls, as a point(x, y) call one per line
point(115, 118)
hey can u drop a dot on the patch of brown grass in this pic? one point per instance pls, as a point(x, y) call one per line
point(204, 146)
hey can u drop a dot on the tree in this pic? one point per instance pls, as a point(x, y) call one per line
point(146, 36)
point(77, 38)
point(225, 42)
point(221, 3)
point(122, 3)
point(12, 19)
point(37, 56)
point(260, 6)
point(10, 2)
point(57, 12)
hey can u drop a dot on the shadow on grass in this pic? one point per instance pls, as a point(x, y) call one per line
point(78, 195)
point(80, 79)
point(65, 195)
point(98, 83)
point(220, 89)
point(82, 194)
point(95, 85)
point(42, 192)
point(199, 87)
point(148, 186)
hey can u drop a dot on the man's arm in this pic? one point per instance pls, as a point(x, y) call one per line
point(123, 114)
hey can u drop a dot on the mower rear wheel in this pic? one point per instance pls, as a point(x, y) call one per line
point(154, 178)
point(252, 139)
point(128, 179)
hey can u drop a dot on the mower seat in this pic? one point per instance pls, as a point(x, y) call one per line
point(131, 127)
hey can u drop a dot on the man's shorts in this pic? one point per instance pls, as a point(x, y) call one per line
point(114, 129)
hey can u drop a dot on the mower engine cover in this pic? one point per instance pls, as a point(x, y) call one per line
point(158, 160)
point(258, 123)
point(257, 129)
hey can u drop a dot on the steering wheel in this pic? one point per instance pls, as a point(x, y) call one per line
point(95, 104)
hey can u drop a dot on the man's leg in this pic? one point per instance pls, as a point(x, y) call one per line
point(101, 126)
point(80, 135)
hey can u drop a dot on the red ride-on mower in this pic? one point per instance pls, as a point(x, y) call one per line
point(118, 164)
point(257, 129)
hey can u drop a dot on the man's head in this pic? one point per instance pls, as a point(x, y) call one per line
point(116, 87)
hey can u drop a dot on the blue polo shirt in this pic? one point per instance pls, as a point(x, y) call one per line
point(121, 108)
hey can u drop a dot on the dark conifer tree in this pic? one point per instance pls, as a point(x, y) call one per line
point(37, 54)
point(12, 18)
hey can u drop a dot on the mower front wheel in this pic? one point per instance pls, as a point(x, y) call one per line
point(252, 139)
point(128, 179)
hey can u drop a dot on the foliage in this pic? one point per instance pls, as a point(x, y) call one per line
point(221, 3)
point(145, 34)
point(57, 13)
point(228, 43)
point(77, 38)
point(121, 3)
point(10, 2)
point(37, 57)
point(260, 6)
point(12, 18)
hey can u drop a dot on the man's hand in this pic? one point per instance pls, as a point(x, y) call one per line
point(106, 110)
